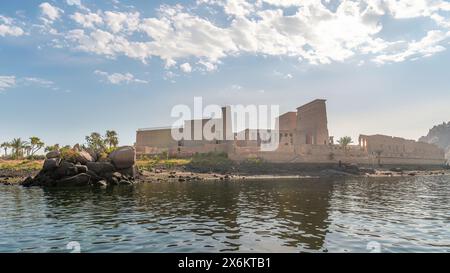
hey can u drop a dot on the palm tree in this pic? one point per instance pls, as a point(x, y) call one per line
point(344, 142)
point(95, 142)
point(35, 145)
point(111, 138)
point(5, 146)
point(18, 146)
point(52, 148)
point(27, 149)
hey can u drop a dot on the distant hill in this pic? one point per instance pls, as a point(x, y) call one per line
point(439, 135)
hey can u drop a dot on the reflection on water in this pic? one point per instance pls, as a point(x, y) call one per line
point(317, 215)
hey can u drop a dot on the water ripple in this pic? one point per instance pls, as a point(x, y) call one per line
point(402, 214)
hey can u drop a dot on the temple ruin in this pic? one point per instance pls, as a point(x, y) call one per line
point(303, 138)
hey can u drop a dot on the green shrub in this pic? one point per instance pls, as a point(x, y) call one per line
point(215, 162)
point(69, 154)
point(254, 161)
point(103, 157)
point(109, 150)
point(36, 157)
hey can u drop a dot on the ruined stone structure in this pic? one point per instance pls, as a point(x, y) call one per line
point(396, 150)
point(158, 140)
point(312, 123)
point(303, 138)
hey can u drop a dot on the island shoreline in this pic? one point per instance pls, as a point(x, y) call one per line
point(184, 174)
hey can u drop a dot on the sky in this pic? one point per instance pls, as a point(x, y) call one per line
point(71, 67)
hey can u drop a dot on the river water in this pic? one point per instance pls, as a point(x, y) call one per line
point(410, 214)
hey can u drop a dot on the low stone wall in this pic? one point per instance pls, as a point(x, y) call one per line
point(183, 151)
point(322, 154)
point(327, 154)
point(409, 161)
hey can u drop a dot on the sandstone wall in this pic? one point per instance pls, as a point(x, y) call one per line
point(328, 154)
point(287, 121)
point(154, 140)
point(203, 149)
point(312, 123)
point(395, 150)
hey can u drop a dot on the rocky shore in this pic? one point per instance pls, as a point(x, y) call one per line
point(14, 177)
point(86, 168)
point(183, 175)
point(120, 169)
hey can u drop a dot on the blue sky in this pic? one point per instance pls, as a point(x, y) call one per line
point(68, 68)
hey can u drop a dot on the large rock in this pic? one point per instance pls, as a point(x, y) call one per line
point(84, 157)
point(94, 176)
point(130, 172)
point(72, 171)
point(28, 182)
point(53, 154)
point(50, 164)
point(64, 169)
point(100, 167)
point(76, 147)
point(45, 180)
point(81, 168)
point(123, 157)
point(78, 180)
point(125, 182)
point(93, 154)
point(101, 183)
point(112, 180)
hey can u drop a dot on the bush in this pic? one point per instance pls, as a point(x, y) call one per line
point(211, 162)
point(170, 165)
point(69, 154)
point(103, 157)
point(36, 157)
point(110, 150)
point(143, 157)
point(149, 164)
point(254, 161)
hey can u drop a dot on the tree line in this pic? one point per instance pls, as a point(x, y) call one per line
point(19, 149)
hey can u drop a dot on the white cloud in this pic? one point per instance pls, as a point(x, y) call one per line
point(286, 76)
point(7, 82)
point(317, 32)
point(441, 20)
point(78, 4)
point(12, 81)
point(50, 13)
point(38, 82)
point(88, 20)
point(238, 7)
point(73, 2)
point(7, 27)
point(118, 78)
point(426, 47)
point(208, 65)
point(178, 34)
point(186, 68)
point(415, 8)
point(118, 21)
point(98, 41)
